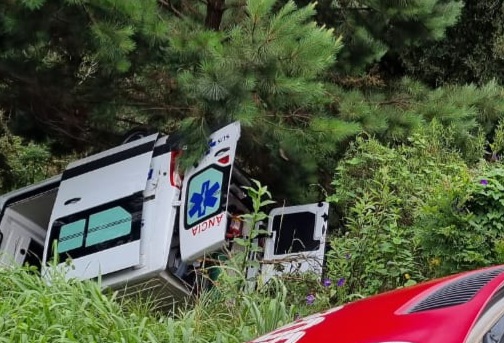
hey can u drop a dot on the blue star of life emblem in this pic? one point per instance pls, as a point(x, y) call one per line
point(206, 198)
point(204, 195)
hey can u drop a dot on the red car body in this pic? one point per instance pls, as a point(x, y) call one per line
point(441, 311)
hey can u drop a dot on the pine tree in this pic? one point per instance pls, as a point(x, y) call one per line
point(264, 67)
point(63, 61)
point(471, 52)
point(374, 28)
point(84, 64)
point(394, 113)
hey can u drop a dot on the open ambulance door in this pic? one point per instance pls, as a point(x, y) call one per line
point(203, 216)
point(296, 240)
point(97, 216)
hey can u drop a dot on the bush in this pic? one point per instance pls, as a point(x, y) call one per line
point(461, 227)
point(379, 191)
point(25, 162)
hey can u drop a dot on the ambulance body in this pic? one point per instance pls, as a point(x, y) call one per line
point(124, 215)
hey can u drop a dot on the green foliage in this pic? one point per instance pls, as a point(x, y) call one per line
point(461, 227)
point(497, 144)
point(386, 116)
point(309, 294)
point(67, 59)
point(469, 113)
point(379, 191)
point(267, 72)
point(248, 246)
point(73, 311)
point(32, 310)
point(373, 28)
point(227, 315)
point(25, 162)
point(376, 254)
point(471, 51)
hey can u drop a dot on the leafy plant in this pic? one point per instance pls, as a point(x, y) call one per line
point(66, 311)
point(461, 227)
point(376, 253)
point(261, 198)
point(24, 162)
point(379, 191)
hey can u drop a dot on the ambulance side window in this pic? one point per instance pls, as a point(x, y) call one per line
point(108, 225)
point(99, 228)
point(71, 236)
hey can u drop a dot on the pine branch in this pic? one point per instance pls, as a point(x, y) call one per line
point(403, 103)
point(169, 6)
point(8, 73)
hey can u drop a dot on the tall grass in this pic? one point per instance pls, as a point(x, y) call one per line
point(32, 310)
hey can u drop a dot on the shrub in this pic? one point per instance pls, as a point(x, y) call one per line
point(461, 227)
point(25, 162)
point(379, 191)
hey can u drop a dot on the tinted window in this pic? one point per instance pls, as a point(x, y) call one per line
point(99, 228)
point(107, 225)
point(294, 233)
point(71, 235)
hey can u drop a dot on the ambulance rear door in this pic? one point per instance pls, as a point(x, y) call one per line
point(296, 240)
point(203, 216)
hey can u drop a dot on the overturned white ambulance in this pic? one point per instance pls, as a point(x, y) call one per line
point(126, 216)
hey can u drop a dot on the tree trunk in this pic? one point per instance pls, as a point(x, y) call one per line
point(215, 9)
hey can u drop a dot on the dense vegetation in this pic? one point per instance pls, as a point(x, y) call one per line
point(391, 110)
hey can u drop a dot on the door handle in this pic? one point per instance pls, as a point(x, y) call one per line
point(72, 201)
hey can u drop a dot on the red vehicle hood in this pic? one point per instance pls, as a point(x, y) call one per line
point(439, 311)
